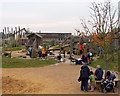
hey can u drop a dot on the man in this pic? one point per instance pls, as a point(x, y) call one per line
point(98, 73)
point(84, 76)
point(98, 50)
point(40, 53)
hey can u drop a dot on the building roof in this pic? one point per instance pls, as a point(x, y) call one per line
point(55, 33)
point(34, 34)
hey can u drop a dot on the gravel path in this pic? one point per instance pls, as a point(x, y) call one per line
point(55, 79)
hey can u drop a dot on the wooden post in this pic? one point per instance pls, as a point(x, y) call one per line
point(19, 35)
point(5, 31)
point(78, 50)
point(71, 48)
point(8, 35)
point(3, 37)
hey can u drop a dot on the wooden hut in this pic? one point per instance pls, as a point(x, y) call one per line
point(34, 40)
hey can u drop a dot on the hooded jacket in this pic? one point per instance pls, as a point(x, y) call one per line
point(84, 73)
point(99, 73)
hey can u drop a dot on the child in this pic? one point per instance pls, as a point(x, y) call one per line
point(92, 81)
point(43, 53)
point(40, 53)
point(30, 51)
point(59, 57)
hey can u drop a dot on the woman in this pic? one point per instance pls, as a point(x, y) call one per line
point(84, 76)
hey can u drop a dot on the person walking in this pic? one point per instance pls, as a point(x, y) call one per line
point(98, 50)
point(84, 76)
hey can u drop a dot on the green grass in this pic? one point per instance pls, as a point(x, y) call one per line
point(13, 48)
point(112, 65)
point(23, 63)
point(47, 44)
point(57, 47)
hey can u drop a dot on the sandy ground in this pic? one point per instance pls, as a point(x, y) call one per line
point(53, 79)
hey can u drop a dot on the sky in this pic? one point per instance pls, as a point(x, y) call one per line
point(45, 15)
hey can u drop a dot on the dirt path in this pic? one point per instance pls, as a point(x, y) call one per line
point(60, 79)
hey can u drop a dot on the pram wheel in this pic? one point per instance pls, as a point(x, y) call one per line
point(100, 90)
point(104, 91)
point(114, 90)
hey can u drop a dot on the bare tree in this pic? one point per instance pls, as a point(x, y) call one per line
point(100, 29)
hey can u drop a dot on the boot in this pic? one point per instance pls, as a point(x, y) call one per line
point(92, 89)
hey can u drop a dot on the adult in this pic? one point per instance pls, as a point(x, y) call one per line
point(86, 59)
point(39, 47)
point(91, 54)
point(98, 50)
point(40, 53)
point(74, 51)
point(98, 73)
point(81, 49)
point(84, 76)
point(87, 50)
point(110, 75)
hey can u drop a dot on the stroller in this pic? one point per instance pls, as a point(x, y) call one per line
point(107, 86)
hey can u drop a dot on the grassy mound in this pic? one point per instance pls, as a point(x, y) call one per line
point(112, 64)
point(13, 48)
point(23, 63)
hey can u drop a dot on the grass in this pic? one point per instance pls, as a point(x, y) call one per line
point(112, 65)
point(47, 44)
point(13, 48)
point(57, 47)
point(23, 63)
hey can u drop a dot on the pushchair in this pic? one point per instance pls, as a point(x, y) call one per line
point(107, 86)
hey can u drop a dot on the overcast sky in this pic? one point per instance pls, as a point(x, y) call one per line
point(45, 15)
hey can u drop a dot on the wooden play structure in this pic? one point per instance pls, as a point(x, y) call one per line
point(72, 43)
point(34, 40)
point(16, 34)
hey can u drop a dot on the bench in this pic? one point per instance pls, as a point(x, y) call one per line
point(98, 83)
point(117, 82)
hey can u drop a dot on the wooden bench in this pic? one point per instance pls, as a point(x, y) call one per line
point(98, 83)
point(117, 82)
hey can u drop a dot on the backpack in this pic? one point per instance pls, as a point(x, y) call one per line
point(30, 50)
point(91, 54)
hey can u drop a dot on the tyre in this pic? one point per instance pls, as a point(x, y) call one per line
point(100, 90)
point(114, 90)
point(104, 91)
